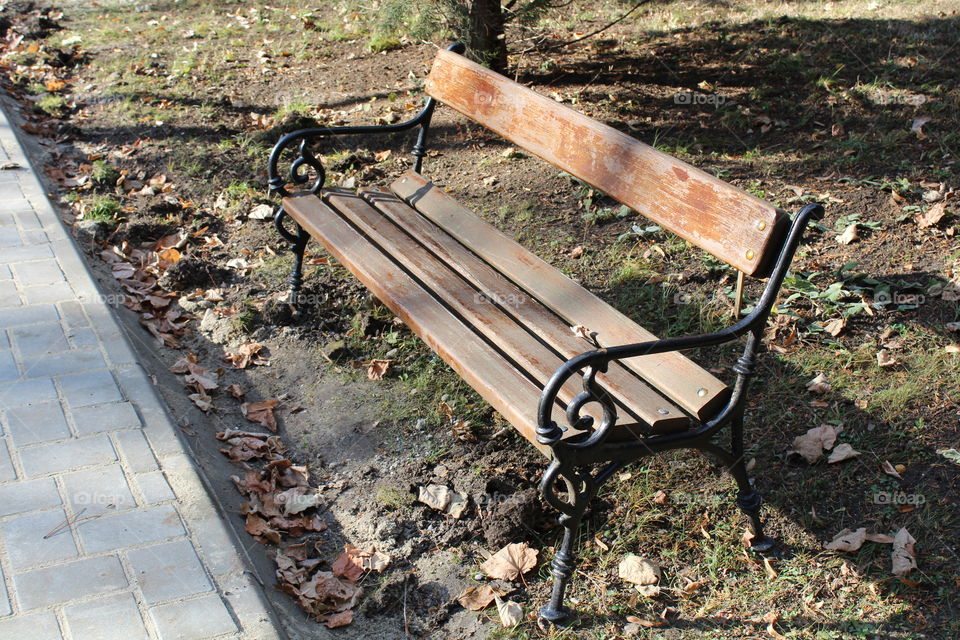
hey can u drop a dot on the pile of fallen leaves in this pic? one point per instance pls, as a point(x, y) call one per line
point(505, 566)
point(138, 271)
point(283, 505)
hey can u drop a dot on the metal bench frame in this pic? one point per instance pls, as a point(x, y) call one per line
point(582, 464)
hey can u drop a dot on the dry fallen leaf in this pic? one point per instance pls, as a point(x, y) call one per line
point(638, 571)
point(917, 126)
point(811, 445)
point(435, 496)
point(480, 597)
point(903, 554)
point(890, 470)
point(334, 620)
point(931, 216)
point(842, 452)
point(261, 413)
point(849, 234)
point(510, 612)
point(236, 391)
point(819, 385)
point(835, 327)
point(886, 359)
point(245, 355)
point(576, 252)
point(847, 540)
point(660, 497)
point(377, 369)
point(882, 538)
point(510, 562)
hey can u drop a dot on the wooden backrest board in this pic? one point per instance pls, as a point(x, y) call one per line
point(733, 225)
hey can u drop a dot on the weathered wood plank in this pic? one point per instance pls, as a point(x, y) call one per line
point(728, 222)
point(673, 374)
point(643, 402)
point(509, 392)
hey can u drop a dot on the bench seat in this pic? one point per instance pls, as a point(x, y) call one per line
point(497, 314)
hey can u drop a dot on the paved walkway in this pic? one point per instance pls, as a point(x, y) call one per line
point(106, 530)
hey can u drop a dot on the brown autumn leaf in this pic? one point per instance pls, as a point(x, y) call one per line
point(646, 624)
point(511, 613)
point(638, 571)
point(479, 597)
point(334, 620)
point(847, 540)
point(835, 327)
point(886, 359)
point(261, 413)
point(576, 252)
point(903, 556)
point(236, 391)
point(842, 452)
point(435, 496)
point(246, 354)
point(510, 562)
point(260, 530)
point(819, 385)
point(377, 369)
point(890, 470)
point(347, 564)
point(811, 445)
point(202, 400)
point(849, 235)
point(931, 216)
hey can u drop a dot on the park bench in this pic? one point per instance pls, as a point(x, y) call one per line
point(592, 400)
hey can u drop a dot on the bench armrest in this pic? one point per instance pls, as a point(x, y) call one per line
point(596, 361)
point(296, 173)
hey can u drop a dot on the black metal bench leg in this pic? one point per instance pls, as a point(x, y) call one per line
point(298, 248)
point(748, 500)
point(580, 487)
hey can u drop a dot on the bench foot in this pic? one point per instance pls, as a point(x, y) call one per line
point(563, 565)
point(749, 503)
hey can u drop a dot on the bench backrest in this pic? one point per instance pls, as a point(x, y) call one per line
point(733, 225)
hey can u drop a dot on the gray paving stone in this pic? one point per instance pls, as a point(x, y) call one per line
point(64, 582)
point(40, 339)
point(72, 313)
point(37, 272)
point(44, 293)
point(92, 387)
point(98, 491)
point(193, 620)
point(7, 220)
point(28, 220)
point(57, 364)
point(35, 626)
point(28, 315)
point(33, 423)
point(111, 618)
point(5, 273)
point(5, 608)
point(9, 296)
point(26, 546)
point(27, 392)
point(10, 237)
point(8, 367)
point(34, 236)
point(154, 487)
point(105, 417)
point(29, 252)
point(168, 571)
point(66, 456)
point(135, 451)
point(131, 528)
point(7, 472)
point(4, 340)
point(82, 338)
point(29, 495)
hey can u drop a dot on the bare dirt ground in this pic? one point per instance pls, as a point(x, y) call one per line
point(154, 128)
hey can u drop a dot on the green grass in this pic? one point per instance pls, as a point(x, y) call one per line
point(102, 208)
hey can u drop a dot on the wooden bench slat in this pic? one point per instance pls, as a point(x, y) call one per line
point(732, 224)
point(509, 392)
point(639, 399)
point(673, 374)
point(499, 329)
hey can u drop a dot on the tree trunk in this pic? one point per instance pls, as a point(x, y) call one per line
point(486, 33)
